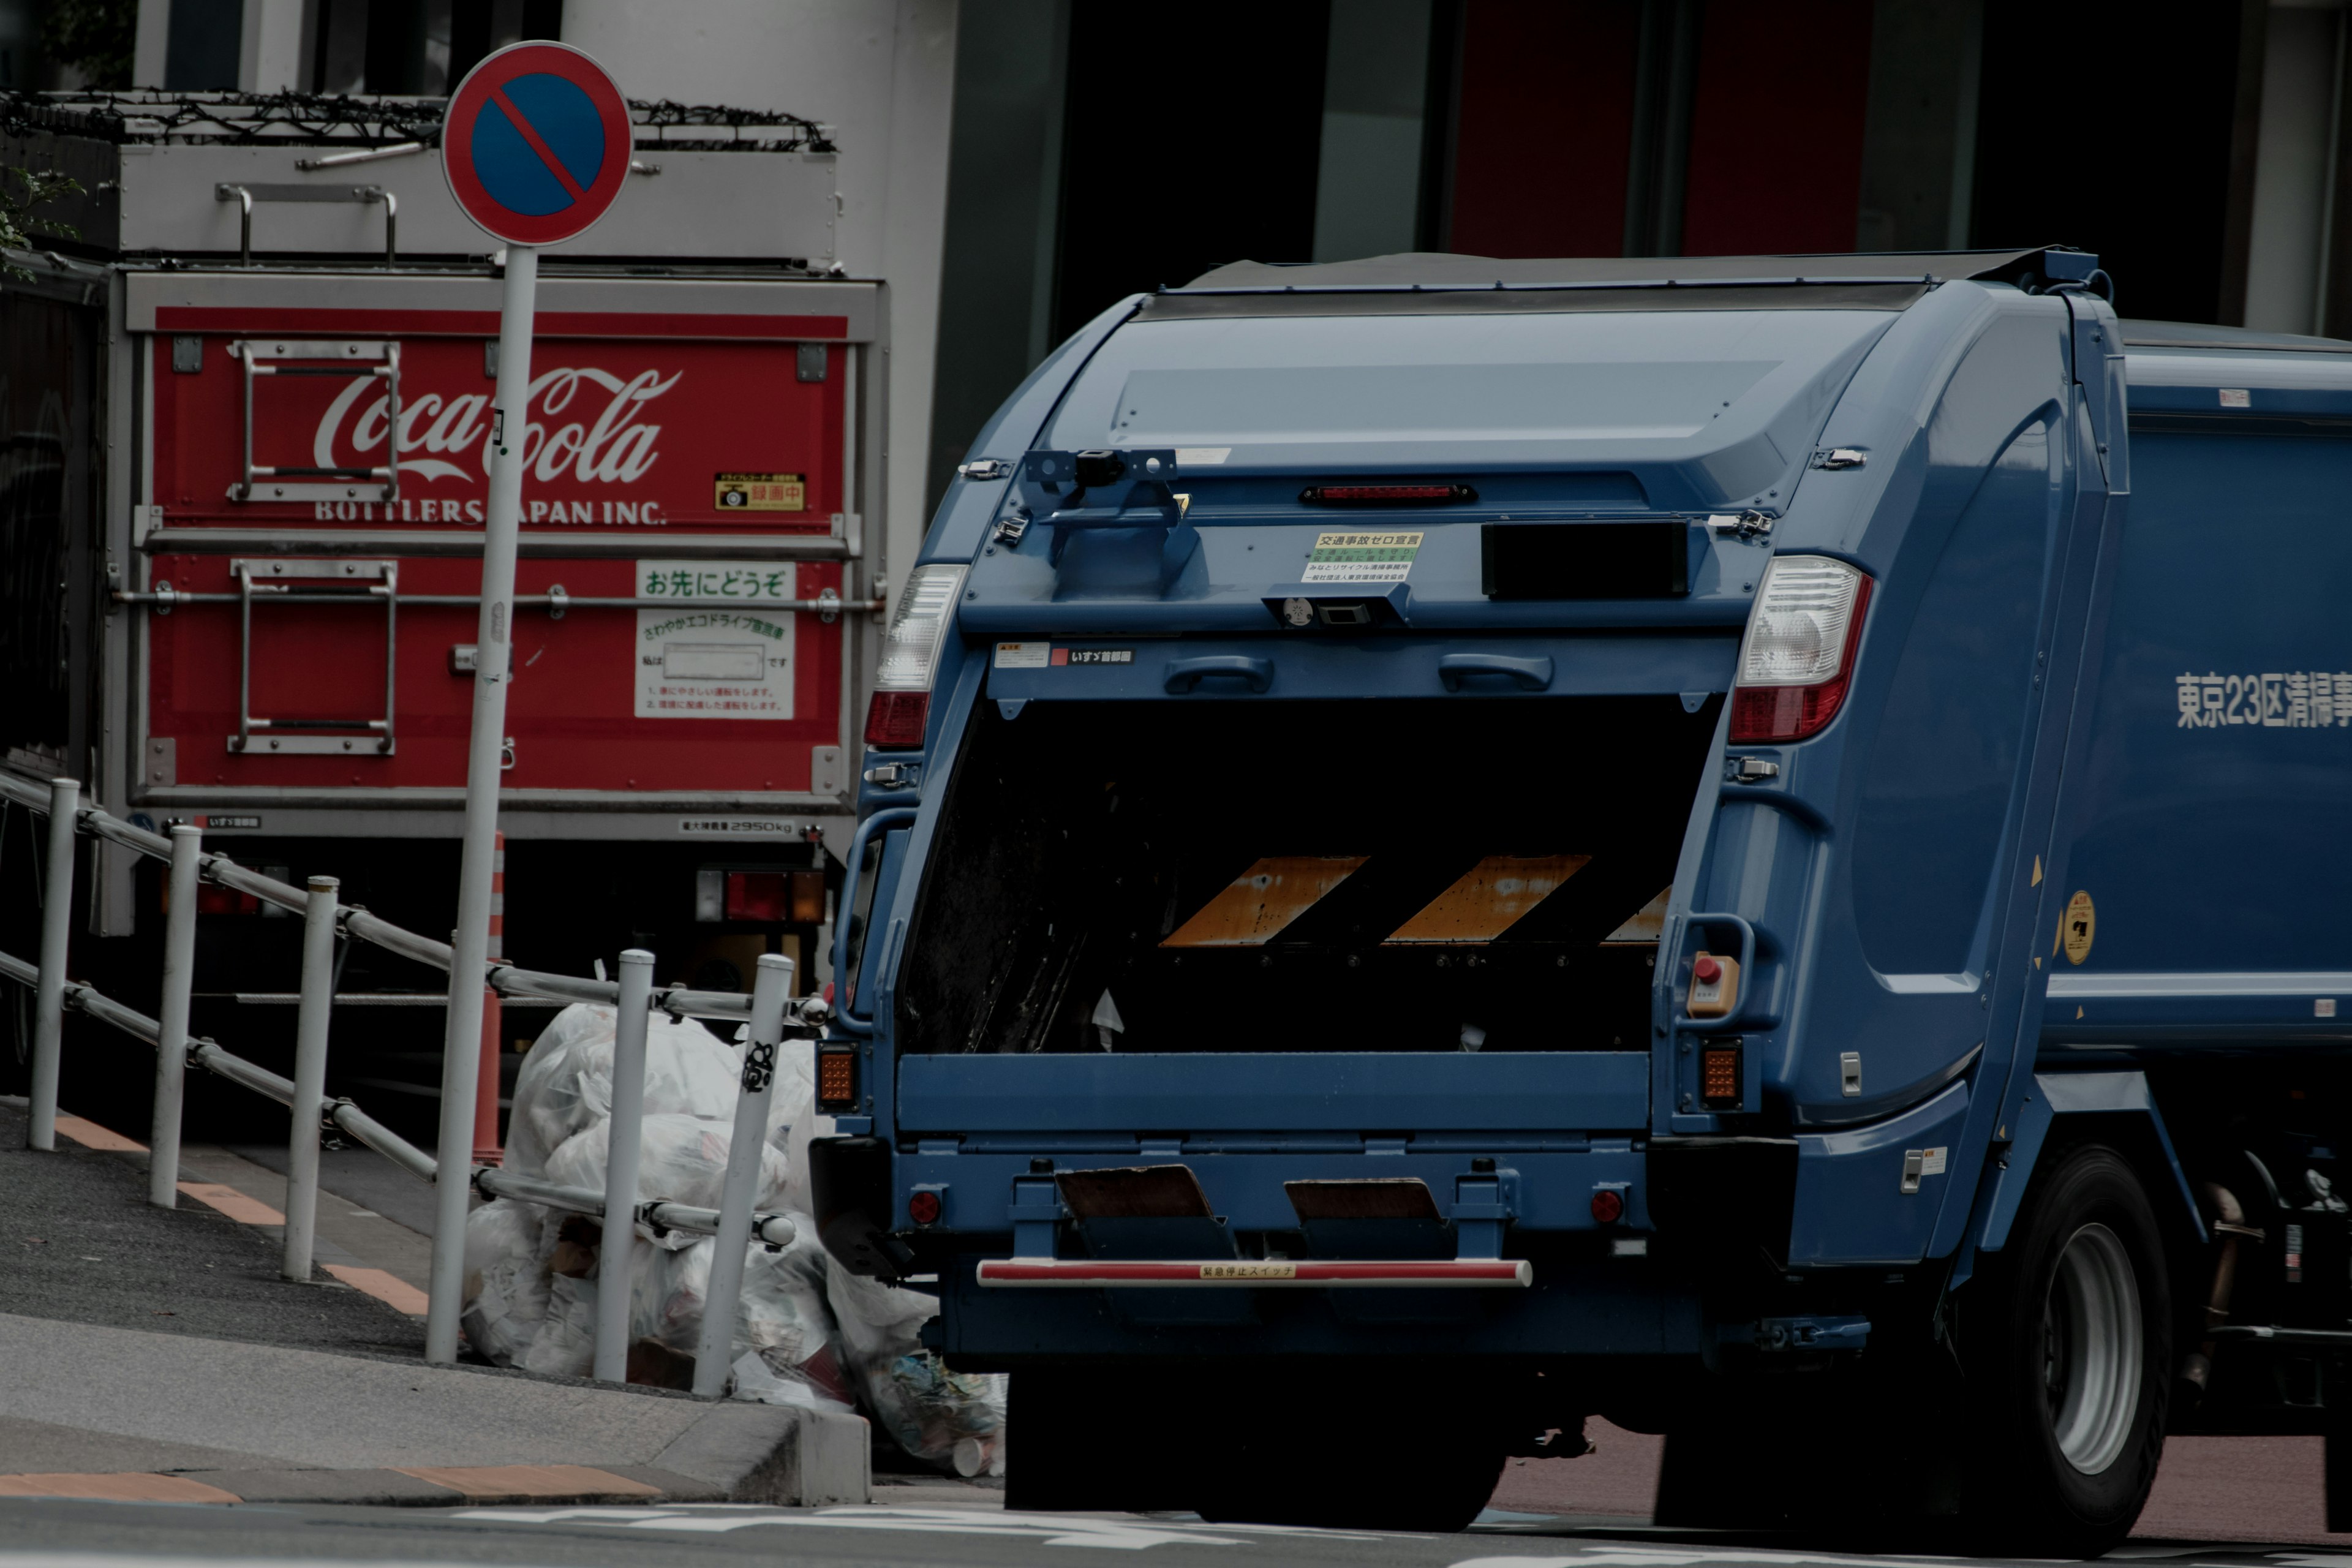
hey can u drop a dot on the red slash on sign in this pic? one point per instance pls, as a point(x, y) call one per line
point(529, 133)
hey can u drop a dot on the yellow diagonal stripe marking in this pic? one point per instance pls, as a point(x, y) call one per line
point(1491, 899)
point(1263, 900)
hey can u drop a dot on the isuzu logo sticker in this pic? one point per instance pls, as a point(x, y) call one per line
point(1367, 557)
point(704, 661)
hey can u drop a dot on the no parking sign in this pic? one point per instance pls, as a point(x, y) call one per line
point(536, 143)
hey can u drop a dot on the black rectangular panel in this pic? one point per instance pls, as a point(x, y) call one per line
point(1584, 560)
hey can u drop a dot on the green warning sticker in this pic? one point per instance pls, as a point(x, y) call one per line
point(1383, 557)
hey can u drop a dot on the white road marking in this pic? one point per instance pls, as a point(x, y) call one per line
point(1118, 1532)
point(1671, 1557)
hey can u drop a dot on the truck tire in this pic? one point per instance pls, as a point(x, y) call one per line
point(2067, 1339)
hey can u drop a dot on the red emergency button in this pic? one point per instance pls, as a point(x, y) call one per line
point(1706, 971)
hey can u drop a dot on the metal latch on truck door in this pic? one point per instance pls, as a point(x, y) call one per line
point(1715, 985)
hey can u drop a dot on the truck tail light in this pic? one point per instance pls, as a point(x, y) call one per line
point(837, 1079)
point(910, 656)
point(1385, 495)
point(755, 896)
point(1718, 1077)
point(1798, 653)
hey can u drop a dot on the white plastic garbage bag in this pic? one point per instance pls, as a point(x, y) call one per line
point(682, 1158)
point(782, 1315)
point(507, 1283)
point(566, 1082)
point(951, 1418)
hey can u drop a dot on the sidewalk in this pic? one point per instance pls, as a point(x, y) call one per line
point(157, 1354)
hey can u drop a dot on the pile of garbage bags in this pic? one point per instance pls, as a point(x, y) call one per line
point(807, 1331)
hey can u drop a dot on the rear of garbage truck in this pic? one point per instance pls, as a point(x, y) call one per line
point(1445, 850)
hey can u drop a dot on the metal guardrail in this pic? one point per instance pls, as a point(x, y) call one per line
point(769, 1008)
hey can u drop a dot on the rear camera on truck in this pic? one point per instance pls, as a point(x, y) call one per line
point(1299, 613)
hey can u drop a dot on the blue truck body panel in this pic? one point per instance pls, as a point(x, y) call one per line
point(2102, 668)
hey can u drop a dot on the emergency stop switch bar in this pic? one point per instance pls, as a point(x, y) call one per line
point(1251, 1274)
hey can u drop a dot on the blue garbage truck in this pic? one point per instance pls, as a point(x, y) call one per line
point(1742, 845)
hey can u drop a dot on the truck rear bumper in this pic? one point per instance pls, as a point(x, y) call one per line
point(1257, 1274)
point(1619, 1308)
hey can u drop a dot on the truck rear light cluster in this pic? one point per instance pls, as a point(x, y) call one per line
point(837, 1079)
point(1719, 1078)
point(1385, 495)
point(1798, 653)
point(775, 896)
point(901, 707)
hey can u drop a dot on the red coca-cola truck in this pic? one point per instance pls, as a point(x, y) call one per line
point(241, 510)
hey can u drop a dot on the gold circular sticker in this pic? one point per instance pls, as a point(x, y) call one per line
point(2078, 929)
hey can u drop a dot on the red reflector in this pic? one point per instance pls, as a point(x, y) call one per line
point(215, 900)
point(1766, 713)
point(1608, 1205)
point(836, 1077)
point(755, 895)
point(1718, 1076)
point(923, 1207)
point(1383, 495)
point(895, 719)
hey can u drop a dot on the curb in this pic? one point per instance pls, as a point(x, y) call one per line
point(738, 1453)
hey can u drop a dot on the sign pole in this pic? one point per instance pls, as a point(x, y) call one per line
point(494, 665)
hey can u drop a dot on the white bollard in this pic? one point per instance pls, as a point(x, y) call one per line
point(714, 1356)
point(615, 1269)
point(49, 990)
point(316, 1006)
point(172, 1037)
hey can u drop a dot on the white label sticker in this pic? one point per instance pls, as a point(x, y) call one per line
point(2237, 397)
point(1931, 1163)
point(1199, 456)
point(723, 652)
point(1023, 655)
point(736, 827)
point(1366, 557)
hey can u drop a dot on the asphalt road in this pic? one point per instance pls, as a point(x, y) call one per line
point(927, 1527)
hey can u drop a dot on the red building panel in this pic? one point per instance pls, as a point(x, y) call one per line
point(1543, 128)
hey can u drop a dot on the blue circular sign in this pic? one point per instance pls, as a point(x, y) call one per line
point(536, 143)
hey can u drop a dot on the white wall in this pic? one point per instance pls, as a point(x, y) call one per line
point(882, 74)
point(2292, 168)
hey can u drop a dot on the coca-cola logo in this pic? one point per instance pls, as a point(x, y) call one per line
point(614, 447)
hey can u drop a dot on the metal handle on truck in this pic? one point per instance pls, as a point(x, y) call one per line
point(848, 1022)
point(1528, 674)
point(1740, 1017)
point(1184, 674)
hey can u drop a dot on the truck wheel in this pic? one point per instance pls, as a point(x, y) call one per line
point(2067, 1352)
